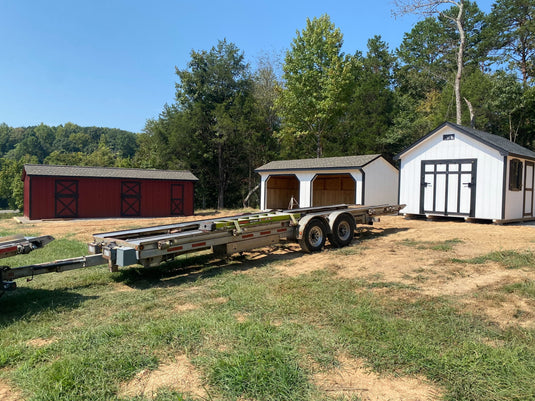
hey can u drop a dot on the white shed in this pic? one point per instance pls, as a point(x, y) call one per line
point(365, 180)
point(463, 172)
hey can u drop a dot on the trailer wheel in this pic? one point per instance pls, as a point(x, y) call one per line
point(343, 231)
point(314, 236)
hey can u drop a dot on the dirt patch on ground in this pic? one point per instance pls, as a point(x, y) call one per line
point(179, 375)
point(83, 229)
point(352, 379)
point(7, 393)
point(185, 307)
point(40, 342)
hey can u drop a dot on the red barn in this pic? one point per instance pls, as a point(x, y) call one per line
point(73, 191)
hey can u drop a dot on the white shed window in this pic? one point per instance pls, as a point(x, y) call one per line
point(515, 175)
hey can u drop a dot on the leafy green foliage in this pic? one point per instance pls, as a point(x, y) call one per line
point(64, 145)
point(317, 78)
point(371, 106)
point(513, 28)
point(221, 126)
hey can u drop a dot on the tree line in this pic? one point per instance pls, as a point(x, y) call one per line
point(67, 144)
point(228, 118)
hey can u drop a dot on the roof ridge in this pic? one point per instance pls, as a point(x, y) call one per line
point(334, 162)
point(107, 172)
point(99, 167)
point(497, 142)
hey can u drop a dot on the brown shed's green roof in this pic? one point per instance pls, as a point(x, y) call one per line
point(107, 172)
point(324, 163)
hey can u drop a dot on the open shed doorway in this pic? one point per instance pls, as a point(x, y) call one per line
point(279, 191)
point(333, 189)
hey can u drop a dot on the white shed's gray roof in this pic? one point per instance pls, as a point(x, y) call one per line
point(325, 163)
point(503, 145)
point(107, 172)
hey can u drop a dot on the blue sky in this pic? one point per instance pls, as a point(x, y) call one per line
point(112, 63)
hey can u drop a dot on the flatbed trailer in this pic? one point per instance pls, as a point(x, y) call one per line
point(150, 246)
point(310, 227)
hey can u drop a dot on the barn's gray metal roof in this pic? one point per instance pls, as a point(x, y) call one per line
point(325, 163)
point(503, 145)
point(107, 172)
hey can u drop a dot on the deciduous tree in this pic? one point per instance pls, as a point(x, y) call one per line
point(316, 80)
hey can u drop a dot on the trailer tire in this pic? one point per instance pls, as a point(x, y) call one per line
point(343, 230)
point(314, 236)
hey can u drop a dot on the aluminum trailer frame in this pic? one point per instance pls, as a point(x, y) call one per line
point(150, 246)
point(310, 227)
point(19, 245)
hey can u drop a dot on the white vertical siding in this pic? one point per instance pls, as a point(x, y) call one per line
point(263, 179)
point(305, 188)
point(381, 183)
point(489, 179)
point(357, 176)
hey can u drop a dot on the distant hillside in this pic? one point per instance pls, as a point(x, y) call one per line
point(42, 140)
point(67, 144)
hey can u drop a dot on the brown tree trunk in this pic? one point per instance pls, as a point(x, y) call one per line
point(221, 186)
point(472, 114)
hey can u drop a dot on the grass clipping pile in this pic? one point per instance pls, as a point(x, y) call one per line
point(428, 258)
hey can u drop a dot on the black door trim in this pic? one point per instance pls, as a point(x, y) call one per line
point(177, 204)
point(130, 198)
point(66, 198)
point(528, 188)
point(448, 172)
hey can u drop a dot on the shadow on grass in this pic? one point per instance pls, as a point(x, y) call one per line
point(371, 232)
point(207, 213)
point(26, 302)
point(192, 268)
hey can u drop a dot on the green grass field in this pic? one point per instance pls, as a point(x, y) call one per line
point(250, 332)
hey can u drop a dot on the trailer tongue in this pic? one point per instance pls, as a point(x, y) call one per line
point(19, 245)
point(150, 246)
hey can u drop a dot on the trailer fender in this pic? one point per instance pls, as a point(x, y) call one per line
point(305, 220)
point(341, 228)
point(332, 218)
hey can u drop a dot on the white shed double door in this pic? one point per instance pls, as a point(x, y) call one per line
point(448, 187)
